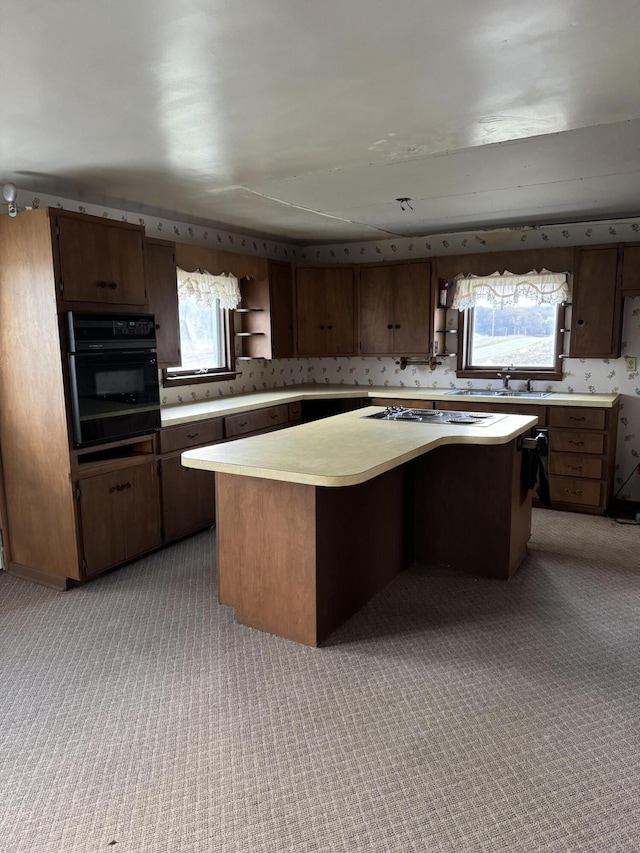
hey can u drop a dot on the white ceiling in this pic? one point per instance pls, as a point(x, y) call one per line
point(304, 121)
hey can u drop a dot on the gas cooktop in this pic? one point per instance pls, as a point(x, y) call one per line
point(435, 416)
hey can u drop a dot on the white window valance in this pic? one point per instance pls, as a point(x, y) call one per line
point(505, 289)
point(207, 288)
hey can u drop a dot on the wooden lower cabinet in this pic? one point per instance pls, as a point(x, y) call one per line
point(119, 515)
point(188, 499)
point(582, 447)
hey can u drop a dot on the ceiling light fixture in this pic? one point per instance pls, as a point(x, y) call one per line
point(10, 194)
point(404, 203)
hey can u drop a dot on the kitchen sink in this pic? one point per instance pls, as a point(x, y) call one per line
point(501, 392)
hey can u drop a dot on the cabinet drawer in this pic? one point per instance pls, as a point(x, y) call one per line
point(295, 411)
point(190, 435)
point(572, 441)
point(575, 491)
point(572, 465)
point(577, 418)
point(235, 425)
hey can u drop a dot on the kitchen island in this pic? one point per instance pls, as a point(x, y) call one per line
point(314, 520)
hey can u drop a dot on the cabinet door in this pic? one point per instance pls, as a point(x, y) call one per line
point(340, 311)
point(310, 311)
point(100, 262)
point(413, 309)
point(141, 508)
point(188, 499)
point(631, 270)
point(376, 311)
point(162, 290)
point(120, 515)
point(102, 521)
point(281, 299)
point(596, 320)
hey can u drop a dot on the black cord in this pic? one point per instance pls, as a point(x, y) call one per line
point(635, 468)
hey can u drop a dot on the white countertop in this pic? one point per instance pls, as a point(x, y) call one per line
point(345, 449)
point(187, 412)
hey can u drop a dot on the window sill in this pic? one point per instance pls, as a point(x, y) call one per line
point(198, 378)
point(535, 375)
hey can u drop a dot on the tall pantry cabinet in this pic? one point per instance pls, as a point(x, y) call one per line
point(62, 514)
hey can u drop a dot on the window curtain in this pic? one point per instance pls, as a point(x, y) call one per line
point(206, 288)
point(505, 289)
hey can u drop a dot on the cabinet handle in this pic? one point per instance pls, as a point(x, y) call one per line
point(273, 416)
point(575, 467)
point(577, 443)
point(581, 322)
point(242, 423)
point(322, 327)
point(329, 327)
point(126, 485)
point(389, 325)
point(574, 491)
point(572, 418)
point(112, 285)
point(101, 284)
point(157, 325)
point(193, 434)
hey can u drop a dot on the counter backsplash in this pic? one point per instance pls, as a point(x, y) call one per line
point(595, 376)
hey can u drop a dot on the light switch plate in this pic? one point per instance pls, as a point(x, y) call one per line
point(632, 363)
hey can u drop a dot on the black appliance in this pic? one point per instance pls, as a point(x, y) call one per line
point(113, 376)
point(436, 417)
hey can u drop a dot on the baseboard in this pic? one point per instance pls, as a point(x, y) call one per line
point(43, 578)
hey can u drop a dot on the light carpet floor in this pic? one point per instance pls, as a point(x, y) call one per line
point(450, 714)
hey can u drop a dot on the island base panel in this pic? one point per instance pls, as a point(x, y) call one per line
point(477, 490)
point(298, 560)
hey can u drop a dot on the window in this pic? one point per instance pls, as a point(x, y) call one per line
point(204, 301)
point(514, 322)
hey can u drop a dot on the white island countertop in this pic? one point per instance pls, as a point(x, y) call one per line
point(183, 413)
point(345, 449)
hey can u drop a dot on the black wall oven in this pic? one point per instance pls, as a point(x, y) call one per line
point(113, 376)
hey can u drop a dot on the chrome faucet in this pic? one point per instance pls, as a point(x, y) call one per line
point(505, 379)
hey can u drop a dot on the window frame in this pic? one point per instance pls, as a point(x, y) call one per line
point(466, 371)
point(213, 374)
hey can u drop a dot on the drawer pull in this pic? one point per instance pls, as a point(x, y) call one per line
point(273, 416)
point(572, 418)
point(242, 423)
point(575, 467)
point(102, 284)
point(577, 443)
point(191, 435)
point(574, 491)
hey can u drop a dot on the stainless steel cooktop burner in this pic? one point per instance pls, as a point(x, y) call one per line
point(435, 416)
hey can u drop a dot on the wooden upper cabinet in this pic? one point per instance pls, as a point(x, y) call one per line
point(396, 311)
point(162, 290)
point(264, 320)
point(100, 261)
point(281, 293)
point(596, 317)
point(325, 311)
point(631, 271)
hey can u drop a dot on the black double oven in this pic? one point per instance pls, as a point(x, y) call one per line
point(113, 376)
